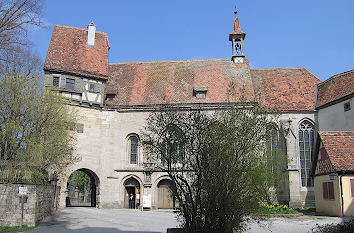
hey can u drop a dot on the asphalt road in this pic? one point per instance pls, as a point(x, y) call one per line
point(92, 220)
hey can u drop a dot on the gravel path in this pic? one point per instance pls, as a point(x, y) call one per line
point(92, 220)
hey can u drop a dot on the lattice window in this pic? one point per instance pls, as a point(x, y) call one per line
point(70, 84)
point(306, 138)
point(56, 81)
point(133, 149)
point(272, 143)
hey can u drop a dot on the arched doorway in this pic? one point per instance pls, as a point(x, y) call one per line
point(131, 188)
point(82, 189)
point(165, 194)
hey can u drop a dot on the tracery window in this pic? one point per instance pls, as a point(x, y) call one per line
point(306, 138)
point(133, 149)
point(174, 146)
point(272, 142)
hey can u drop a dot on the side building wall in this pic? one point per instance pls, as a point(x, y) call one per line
point(335, 118)
point(348, 195)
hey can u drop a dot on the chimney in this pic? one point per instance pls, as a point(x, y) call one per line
point(91, 35)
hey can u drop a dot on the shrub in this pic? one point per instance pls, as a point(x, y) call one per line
point(346, 227)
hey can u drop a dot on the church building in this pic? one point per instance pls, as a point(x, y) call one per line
point(114, 99)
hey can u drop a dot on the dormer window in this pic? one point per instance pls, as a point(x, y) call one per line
point(200, 92)
point(110, 97)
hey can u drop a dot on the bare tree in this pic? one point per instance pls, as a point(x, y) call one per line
point(216, 162)
point(16, 18)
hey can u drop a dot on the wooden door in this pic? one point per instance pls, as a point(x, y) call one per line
point(165, 197)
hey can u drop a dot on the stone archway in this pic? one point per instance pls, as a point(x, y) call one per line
point(165, 199)
point(131, 187)
point(82, 189)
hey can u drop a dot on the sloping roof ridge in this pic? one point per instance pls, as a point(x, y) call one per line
point(278, 68)
point(77, 28)
point(336, 133)
point(335, 76)
point(161, 61)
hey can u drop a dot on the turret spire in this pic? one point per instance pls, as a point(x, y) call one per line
point(236, 37)
point(237, 27)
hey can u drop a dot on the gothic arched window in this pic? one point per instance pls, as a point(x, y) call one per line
point(306, 138)
point(272, 142)
point(133, 149)
point(173, 151)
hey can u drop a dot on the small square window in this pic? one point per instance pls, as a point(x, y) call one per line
point(110, 97)
point(56, 81)
point(346, 106)
point(92, 88)
point(70, 84)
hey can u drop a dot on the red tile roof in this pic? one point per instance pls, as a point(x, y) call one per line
point(285, 88)
point(172, 82)
point(175, 82)
point(337, 153)
point(335, 88)
point(68, 52)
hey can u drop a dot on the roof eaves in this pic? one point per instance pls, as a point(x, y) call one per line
point(76, 72)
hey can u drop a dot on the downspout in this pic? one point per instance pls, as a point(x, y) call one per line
point(341, 195)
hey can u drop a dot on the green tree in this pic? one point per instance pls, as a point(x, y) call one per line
point(34, 135)
point(217, 163)
point(80, 180)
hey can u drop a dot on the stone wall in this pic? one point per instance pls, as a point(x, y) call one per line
point(41, 203)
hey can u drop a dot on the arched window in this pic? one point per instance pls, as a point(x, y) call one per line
point(133, 149)
point(173, 151)
point(272, 142)
point(306, 137)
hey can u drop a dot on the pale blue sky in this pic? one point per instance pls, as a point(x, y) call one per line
point(316, 34)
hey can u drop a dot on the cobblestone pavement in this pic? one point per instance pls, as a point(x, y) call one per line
point(92, 220)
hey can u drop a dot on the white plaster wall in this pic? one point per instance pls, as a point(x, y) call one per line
point(334, 118)
point(326, 206)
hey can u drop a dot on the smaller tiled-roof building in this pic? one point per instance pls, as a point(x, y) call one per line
point(335, 102)
point(333, 170)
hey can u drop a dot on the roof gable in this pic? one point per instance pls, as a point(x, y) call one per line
point(334, 152)
point(68, 52)
point(335, 88)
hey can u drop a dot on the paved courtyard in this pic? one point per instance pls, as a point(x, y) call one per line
point(92, 220)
